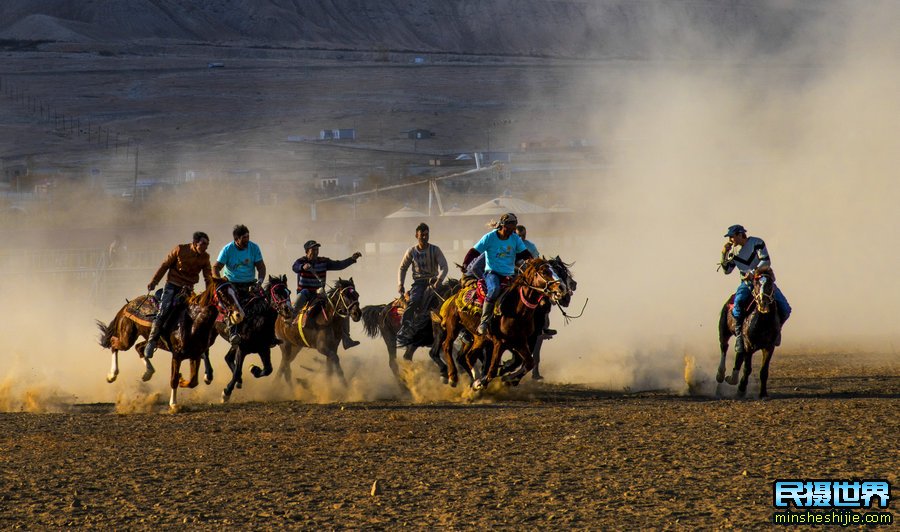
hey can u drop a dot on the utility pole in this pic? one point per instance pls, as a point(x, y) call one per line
point(134, 190)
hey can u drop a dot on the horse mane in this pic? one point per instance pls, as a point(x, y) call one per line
point(529, 270)
point(206, 297)
point(339, 284)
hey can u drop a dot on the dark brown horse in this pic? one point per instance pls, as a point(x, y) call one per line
point(537, 285)
point(322, 329)
point(385, 320)
point(761, 329)
point(187, 333)
point(262, 306)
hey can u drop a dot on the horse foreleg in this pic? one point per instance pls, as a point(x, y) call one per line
point(527, 363)
point(174, 378)
point(237, 362)
point(265, 355)
point(745, 376)
point(334, 365)
point(195, 375)
point(764, 372)
point(435, 353)
point(391, 344)
point(114, 369)
point(207, 368)
point(449, 337)
point(466, 355)
point(492, 367)
point(288, 352)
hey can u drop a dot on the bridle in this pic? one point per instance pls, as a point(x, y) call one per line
point(340, 302)
point(223, 301)
point(552, 288)
point(762, 297)
point(279, 302)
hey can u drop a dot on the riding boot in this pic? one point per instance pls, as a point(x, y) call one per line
point(487, 311)
point(153, 339)
point(346, 341)
point(234, 334)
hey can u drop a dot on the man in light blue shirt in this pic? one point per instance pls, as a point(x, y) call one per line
point(238, 262)
point(501, 248)
point(522, 232)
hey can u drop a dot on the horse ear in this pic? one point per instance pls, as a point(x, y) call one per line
point(351, 281)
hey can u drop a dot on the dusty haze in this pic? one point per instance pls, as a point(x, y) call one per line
point(799, 148)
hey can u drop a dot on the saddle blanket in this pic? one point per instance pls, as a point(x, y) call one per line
point(142, 310)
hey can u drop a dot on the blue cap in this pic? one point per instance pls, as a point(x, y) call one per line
point(735, 229)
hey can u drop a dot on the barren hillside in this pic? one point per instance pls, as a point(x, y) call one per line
point(538, 28)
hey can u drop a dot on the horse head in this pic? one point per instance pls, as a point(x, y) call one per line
point(562, 269)
point(279, 296)
point(345, 299)
point(540, 275)
point(226, 299)
point(764, 290)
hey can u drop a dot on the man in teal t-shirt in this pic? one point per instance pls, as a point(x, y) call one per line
point(237, 262)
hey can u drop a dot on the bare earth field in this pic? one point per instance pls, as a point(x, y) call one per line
point(539, 456)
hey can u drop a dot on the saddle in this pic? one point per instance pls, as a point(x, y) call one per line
point(142, 310)
point(310, 308)
point(470, 299)
point(395, 313)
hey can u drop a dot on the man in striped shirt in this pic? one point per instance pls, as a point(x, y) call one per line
point(429, 267)
point(311, 270)
point(747, 254)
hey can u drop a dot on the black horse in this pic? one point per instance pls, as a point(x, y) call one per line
point(385, 320)
point(262, 306)
point(762, 327)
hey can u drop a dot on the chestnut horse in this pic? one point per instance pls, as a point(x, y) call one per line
point(761, 329)
point(322, 329)
point(262, 307)
point(187, 333)
point(377, 320)
point(511, 330)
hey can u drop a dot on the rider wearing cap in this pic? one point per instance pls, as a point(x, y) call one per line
point(502, 247)
point(182, 268)
point(311, 270)
point(748, 254)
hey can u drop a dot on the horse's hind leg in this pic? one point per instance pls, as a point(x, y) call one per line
point(195, 375)
point(764, 372)
point(149, 370)
point(288, 353)
point(237, 358)
point(114, 368)
point(449, 337)
point(724, 339)
point(334, 365)
point(174, 378)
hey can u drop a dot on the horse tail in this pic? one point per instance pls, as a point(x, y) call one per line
point(371, 318)
point(106, 333)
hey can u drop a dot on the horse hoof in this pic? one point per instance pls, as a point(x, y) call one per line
point(720, 377)
point(239, 385)
point(731, 379)
point(225, 396)
point(111, 378)
point(147, 374)
point(256, 371)
point(478, 385)
point(444, 380)
point(207, 380)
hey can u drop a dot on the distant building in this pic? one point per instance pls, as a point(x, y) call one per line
point(419, 134)
point(337, 134)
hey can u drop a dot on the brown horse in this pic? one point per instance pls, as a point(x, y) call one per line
point(322, 329)
point(761, 329)
point(510, 330)
point(187, 333)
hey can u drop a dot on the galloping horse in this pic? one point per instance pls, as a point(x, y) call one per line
point(321, 329)
point(565, 275)
point(761, 329)
point(258, 331)
point(188, 332)
point(511, 329)
point(385, 320)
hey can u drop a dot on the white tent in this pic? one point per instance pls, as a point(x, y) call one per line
point(502, 205)
point(407, 212)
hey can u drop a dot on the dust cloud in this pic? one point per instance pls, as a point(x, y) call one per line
point(799, 147)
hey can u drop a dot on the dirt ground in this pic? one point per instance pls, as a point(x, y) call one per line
point(540, 456)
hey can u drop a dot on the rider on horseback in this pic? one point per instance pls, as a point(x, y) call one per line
point(502, 247)
point(311, 270)
point(748, 254)
point(237, 262)
point(182, 267)
point(429, 267)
